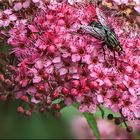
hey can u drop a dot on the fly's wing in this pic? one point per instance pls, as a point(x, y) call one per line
point(102, 18)
point(94, 31)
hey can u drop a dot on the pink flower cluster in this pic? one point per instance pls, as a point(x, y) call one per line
point(132, 4)
point(6, 17)
point(17, 10)
point(58, 60)
point(135, 3)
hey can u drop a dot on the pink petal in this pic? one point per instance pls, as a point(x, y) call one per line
point(24, 82)
point(37, 79)
point(26, 4)
point(39, 65)
point(73, 70)
point(35, 1)
point(7, 11)
point(137, 8)
point(1, 23)
point(57, 60)
point(63, 71)
point(107, 82)
point(137, 2)
point(87, 59)
point(18, 94)
point(32, 28)
point(129, 69)
point(12, 17)
point(100, 98)
point(68, 101)
point(92, 108)
point(33, 100)
point(50, 69)
point(47, 63)
point(18, 6)
point(31, 90)
point(132, 91)
point(6, 23)
point(83, 108)
point(76, 57)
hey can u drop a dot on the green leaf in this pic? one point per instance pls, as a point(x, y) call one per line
point(92, 123)
point(62, 104)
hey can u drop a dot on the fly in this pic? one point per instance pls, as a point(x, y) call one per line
point(103, 31)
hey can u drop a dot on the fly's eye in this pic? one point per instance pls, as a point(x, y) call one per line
point(118, 49)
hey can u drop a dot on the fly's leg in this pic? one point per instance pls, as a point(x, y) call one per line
point(103, 46)
point(104, 53)
point(115, 58)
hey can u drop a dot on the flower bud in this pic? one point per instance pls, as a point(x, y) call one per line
point(129, 129)
point(118, 121)
point(93, 85)
point(110, 116)
point(3, 97)
point(49, 101)
point(30, 75)
point(45, 76)
point(8, 82)
point(55, 94)
point(75, 83)
point(121, 87)
point(61, 22)
point(41, 88)
point(56, 106)
point(28, 113)
point(68, 78)
point(25, 98)
point(51, 49)
point(20, 109)
point(65, 91)
point(42, 110)
point(38, 96)
point(1, 77)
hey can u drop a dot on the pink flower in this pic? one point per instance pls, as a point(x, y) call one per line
point(121, 1)
point(22, 77)
point(137, 8)
point(17, 6)
point(35, 1)
point(6, 17)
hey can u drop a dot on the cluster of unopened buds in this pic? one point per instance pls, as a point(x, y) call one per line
point(53, 62)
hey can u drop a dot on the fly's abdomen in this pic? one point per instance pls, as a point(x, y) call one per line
point(112, 40)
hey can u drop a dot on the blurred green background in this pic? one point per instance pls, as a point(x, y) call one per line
point(38, 126)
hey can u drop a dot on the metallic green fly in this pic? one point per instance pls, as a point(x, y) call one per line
point(102, 31)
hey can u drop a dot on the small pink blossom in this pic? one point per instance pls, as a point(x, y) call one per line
point(35, 1)
point(26, 4)
point(17, 6)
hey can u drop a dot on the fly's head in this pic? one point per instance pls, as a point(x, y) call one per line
point(118, 49)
